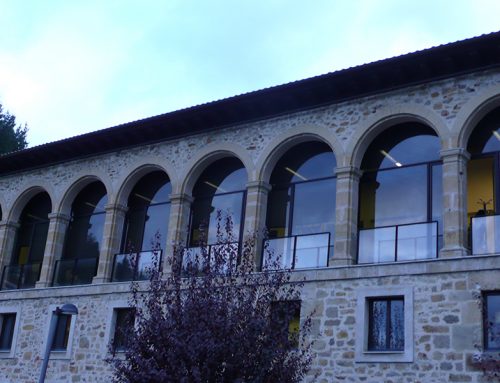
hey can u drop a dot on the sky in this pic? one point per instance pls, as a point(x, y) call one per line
point(69, 67)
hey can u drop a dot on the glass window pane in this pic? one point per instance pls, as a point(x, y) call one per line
point(136, 220)
point(311, 251)
point(124, 321)
point(480, 187)
point(377, 245)
point(304, 162)
point(486, 235)
point(278, 253)
point(493, 321)
point(61, 336)
point(385, 200)
point(417, 241)
point(7, 324)
point(223, 176)
point(278, 212)
point(397, 325)
point(124, 267)
point(437, 200)
point(403, 144)
point(377, 333)
point(213, 216)
point(314, 207)
point(156, 227)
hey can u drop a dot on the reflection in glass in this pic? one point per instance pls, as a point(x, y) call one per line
point(386, 324)
point(217, 210)
point(492, 330)
point(149, 210)
point(486, 235)
point(302, 201)
point(417, 241)
point(32, 233)
point(377, 245)
point(278, 253)
point(87, 223)
point(385, 197)
point(311, 251)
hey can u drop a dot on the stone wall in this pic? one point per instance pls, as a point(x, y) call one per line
point(446, 323)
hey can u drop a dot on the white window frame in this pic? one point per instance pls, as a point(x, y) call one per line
point(122, 304)
point(11, 310)
point(362, 354)
point(59, 355)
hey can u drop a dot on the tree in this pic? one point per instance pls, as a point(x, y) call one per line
point(12, 138)
point(213, 319)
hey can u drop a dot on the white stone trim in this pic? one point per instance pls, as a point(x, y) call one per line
point(60, 355)
point(361, 352)
point(11, 310)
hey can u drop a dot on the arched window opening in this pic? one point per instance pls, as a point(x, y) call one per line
point(217, 212)
point(400, 196)
point(301, 208)
point(483, 170)
point(84, 237)
point(25, 264)
point(146, 227)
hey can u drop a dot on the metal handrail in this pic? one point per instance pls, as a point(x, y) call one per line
point(396, 237)
point(19, 283)
point(472, 233)
point(134, 261)
point(74, 274)
point(294, 254)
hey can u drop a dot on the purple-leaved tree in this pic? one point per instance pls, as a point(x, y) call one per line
point(214, 319)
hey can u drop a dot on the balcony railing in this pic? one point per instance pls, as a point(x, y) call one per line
point(20, 276)
point(296, 252)
point(407, 242)
point(75, 271)
point(486, 235)
point(135, 266)
point(195, 257)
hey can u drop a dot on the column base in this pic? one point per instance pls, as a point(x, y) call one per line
point(337, 262)
point(97, 280)
point(42, 284)
point(454, 252)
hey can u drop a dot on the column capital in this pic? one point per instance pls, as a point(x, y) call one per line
point(180, 198)
point(348, 172)
point(256, 186)
point(59, 217)
point(449, 155)
point(9, 225)
point(110, 207)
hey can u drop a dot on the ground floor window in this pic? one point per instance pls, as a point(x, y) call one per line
point(492, 320)
point(386, 326)
point(7, 325)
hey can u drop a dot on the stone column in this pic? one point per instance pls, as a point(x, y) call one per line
point(255, 216)
point(346, 216)
point(53, 247)
point(454, 202)
point(178, 226)
point(111, 240)
point(8, 231)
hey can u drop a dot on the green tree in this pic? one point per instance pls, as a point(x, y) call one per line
point(12, 137)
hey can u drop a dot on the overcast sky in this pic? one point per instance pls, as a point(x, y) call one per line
point(69, 67)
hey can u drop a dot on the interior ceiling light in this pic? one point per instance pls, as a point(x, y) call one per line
point(496, 134)
point(35, 217)
point(391, 158)
point(90, 204)
point(143, 197)
point(214, 186)
point(295, 173)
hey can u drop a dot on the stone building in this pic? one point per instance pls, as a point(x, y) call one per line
point(378, 183)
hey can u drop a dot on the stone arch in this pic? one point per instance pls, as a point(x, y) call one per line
point(75, 188)
point(472, 112)
point(133, 176)
point(389, 117)
point(21, 201)
point(285, 141)
point(209, 154)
